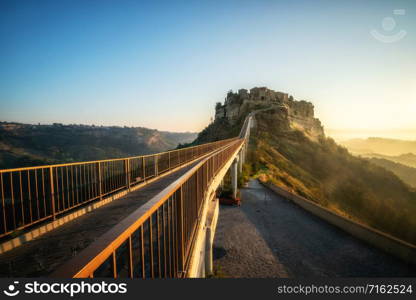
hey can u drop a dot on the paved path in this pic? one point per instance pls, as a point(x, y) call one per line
point(269, 236)
point(44, 254)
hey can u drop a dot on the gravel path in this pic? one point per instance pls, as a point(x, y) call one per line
point(269, 236)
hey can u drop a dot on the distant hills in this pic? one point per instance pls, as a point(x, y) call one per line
point(398, 156)
point(28, 145)
point(408, 159)
point(381, 146)
point(405, 173)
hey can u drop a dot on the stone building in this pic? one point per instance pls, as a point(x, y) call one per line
point(300, 113)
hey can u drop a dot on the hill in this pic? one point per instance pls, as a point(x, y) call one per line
point(293, 152)
point(28, 145)
point(381, 146)
point(405, 173)
point(408, 159)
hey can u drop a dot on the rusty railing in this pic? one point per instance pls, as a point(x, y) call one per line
point(35, 194)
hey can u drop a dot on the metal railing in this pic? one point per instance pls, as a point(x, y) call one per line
point(244, 132)
point(35, 194)
point(156, 240)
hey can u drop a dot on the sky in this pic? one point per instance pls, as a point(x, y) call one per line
point(164, 65)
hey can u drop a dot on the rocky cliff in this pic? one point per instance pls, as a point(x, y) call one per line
point(300, 114)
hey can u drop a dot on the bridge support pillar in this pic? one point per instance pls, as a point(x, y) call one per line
point(240, 160)
point(234, 177)
point(209, 261)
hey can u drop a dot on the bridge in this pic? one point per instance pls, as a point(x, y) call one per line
point(145, 216)
point(151, 216)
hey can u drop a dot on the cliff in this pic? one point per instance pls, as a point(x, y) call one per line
point(299, 114)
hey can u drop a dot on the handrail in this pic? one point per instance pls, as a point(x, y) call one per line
point(104, 160)
point(35, 194)
point(156, 239)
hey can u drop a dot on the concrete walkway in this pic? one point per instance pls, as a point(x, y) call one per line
point(269, 236)
point(43, 255)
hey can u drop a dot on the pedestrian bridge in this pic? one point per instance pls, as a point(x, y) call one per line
point(151, 216)
point(155, 216)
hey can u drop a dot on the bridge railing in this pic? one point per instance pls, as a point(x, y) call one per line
point(35, 194)
point(244, 129)
point(156, 240)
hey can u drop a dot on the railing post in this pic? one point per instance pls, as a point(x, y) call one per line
point(100, 182)
point(207, 179)
point(234, 174)
point(198, 201)
point(127, 170)
point(180, 232)
point(52, 193)
point(156, 162)
point(169, 160)
point(144, 168)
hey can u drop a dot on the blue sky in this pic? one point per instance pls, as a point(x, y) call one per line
point(164, 64)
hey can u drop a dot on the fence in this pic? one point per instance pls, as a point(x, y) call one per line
point(156, 240)
point(35, 194)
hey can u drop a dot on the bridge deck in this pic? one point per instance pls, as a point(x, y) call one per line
point(43, 255)
point(269, 236)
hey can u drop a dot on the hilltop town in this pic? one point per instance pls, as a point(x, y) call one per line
point(299, 113)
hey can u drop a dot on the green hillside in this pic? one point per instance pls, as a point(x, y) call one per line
point(405, 173)
point(408, 159)
point(29, 145)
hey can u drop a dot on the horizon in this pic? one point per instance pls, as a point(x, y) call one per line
point(339, 135)
point(165, 66)
point(93, 125)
